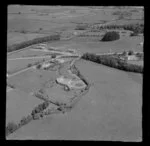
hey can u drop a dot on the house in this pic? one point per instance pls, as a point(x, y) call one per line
point(132, 57)
point(45, 65)
point(141, 44)
point(127, 55)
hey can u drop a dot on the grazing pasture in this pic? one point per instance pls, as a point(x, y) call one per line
point(18, 37)
point(110, 107)
point(14, 66)
point(125, 43)
point(31, 80)
point(108, 111)
point(27, 53)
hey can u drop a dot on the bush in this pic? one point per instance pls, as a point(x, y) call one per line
point(133, 34)
point(53, 56)
point(11, 127)
point(130, 52)
point(25, 120)
point(29, 65)
point(111, 36)
point(81, 27)
point(38, 66)
point(38, 109)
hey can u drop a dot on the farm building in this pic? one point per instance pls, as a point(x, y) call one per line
point(132, 57)
point(45, 65)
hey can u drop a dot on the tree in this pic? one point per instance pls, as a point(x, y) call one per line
point(111, 36)
point(38, 66)
point(113, 62)
point(124, 53)
point(25, 120)
point(134, 34)
point(11, 127)
point(32, 42)
point(36, 117)
point(29, 65)
point(53, 56)
point(40, 29)
point(130, 52)
point(81, 27)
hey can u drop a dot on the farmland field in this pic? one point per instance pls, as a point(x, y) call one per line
point(106, 112)
point(27, 53)
point(18, 65)
point(45, 45)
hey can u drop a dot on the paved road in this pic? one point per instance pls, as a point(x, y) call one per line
point(43, 57)
point(34, 65)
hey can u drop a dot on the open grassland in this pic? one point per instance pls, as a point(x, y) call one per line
point(27, 53)
point(31, 79)
point(110, 107)
point(17, 65)
point(125, 43)
point(110, 111)
point(18, 37)
point(38, 20)
point(59, 95)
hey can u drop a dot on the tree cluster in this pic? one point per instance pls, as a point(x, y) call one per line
point(33, 42)
point(39, 109)
point(135, 28)
point(11, 127)
point(111, 36)
point(113, 62)
point(81, 27)
point(35, 114)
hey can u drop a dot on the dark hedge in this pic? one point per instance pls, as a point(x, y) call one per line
point(111, 36)
point(113, 62)
point(32, 42)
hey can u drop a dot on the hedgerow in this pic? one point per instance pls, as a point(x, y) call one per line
point(36, 113)
point(32, 42)
point(135, 28)
point(113, 62)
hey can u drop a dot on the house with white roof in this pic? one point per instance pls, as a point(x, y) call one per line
point(45, 65)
